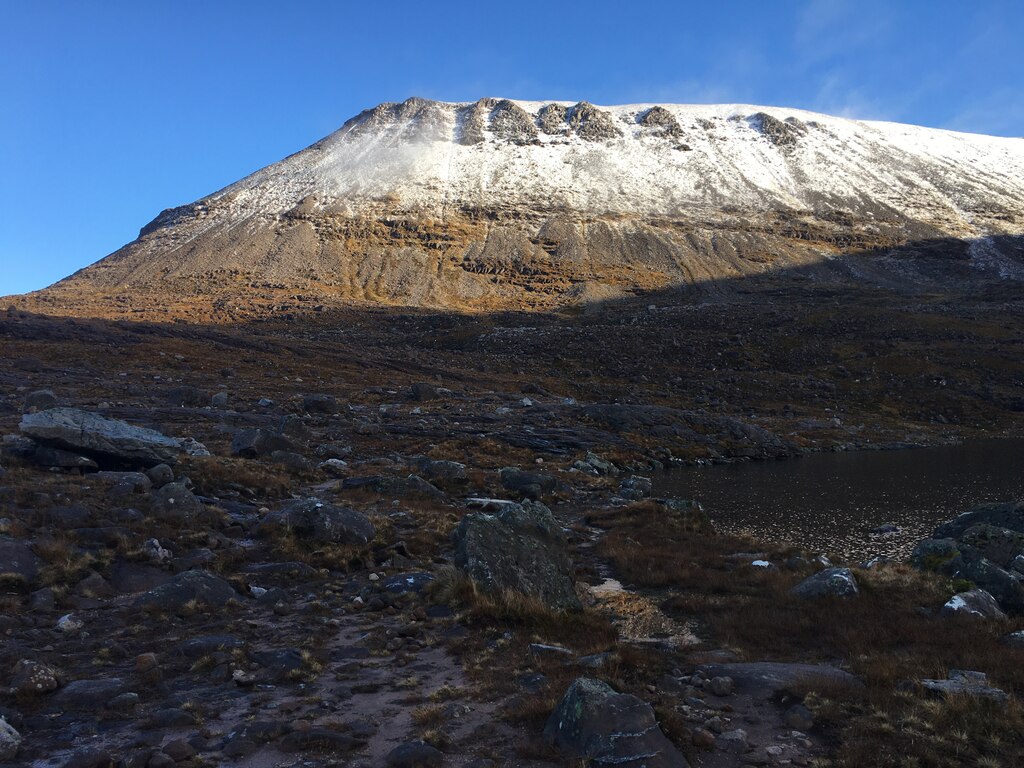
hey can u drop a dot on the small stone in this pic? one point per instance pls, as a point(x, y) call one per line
point(69, 623)
point(702, 738)
point(33, 678)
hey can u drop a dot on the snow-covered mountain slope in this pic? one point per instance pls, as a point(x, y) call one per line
point(434, 203)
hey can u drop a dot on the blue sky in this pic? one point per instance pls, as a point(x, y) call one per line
point(112, 111)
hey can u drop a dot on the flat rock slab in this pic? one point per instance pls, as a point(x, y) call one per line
point(767, 678)
point(98, 436)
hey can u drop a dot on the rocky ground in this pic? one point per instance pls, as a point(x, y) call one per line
point(380, 537)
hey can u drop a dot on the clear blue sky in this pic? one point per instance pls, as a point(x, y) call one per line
point(111, 111)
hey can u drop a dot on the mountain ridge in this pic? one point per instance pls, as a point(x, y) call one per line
point(505, 203)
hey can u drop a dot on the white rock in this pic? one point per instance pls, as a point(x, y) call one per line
point(10, 740)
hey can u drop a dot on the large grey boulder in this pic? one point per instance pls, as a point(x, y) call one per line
point(191, 587)
point(975, 603)
point(104, 439)
point(595, 723)
point(999, 545)
point(521, 548)
point(1004, 586)
point(831, 582)
point(318, 521)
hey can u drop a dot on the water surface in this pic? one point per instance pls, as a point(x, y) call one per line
point(828, 502)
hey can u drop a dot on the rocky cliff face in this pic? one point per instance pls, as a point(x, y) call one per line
point(502, 203)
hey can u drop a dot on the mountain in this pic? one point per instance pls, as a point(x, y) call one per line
point(500, 203)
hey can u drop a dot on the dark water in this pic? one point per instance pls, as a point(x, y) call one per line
point(828, 502)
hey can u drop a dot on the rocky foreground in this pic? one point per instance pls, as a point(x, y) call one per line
point(430, 541)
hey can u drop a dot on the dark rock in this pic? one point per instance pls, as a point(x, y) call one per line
point(446, 474)
point(415, 754)
point(976, 603)
point(318, 521)
point(532, 485)
point(294, 461)
point(18, 561)
point(935, 555)
point(104, 439)
point(999, 545)
point(413, 486)
point(318, 740)
point(175, 503)
point(521, 549)
point(40, 400)
point(590, 123)
point(87, 694)
point(594, 723)
point(257, 443)
point(201, 587)
point(90, 757)
point(765, 679)
point(219, 400)
point(1002, 585)
point(1006, 515)
point(160, 475)
point(831, 582)
point(318, 403)
point(31, 678)
point(171, 717)
point(197, 647)
point(421, 391)
point(799, 718)
point(186, 395)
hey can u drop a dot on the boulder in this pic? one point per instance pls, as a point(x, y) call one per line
point(593, 722)
point(10, 741)
point(999, 545)
point(31, 678)
point(422, 391)
point(521, 548)
point(965, 683)
point(88, 694)
point(256, 443)
point(186, 395)
point(976, 603)
point(413, 485)
point(174, 502)
point(415, 754)
point(1004, 586)
point(105, 440)
point(831, 582)
point(1008, 515)
point(321, 522)
point(446, 474)
point(532, 485)
point(40, 400)
point(18, 561)
point(319, 403)
point(200, 587)
point(936, 555)
point(767, 679)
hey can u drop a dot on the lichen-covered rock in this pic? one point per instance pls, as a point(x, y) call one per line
point(595, 723)
point(31, 678)
point(519, 549)
point(319, 521)
point(104, 439)
point(831, 582)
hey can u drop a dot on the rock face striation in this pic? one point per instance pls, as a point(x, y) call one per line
point(501, 203)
